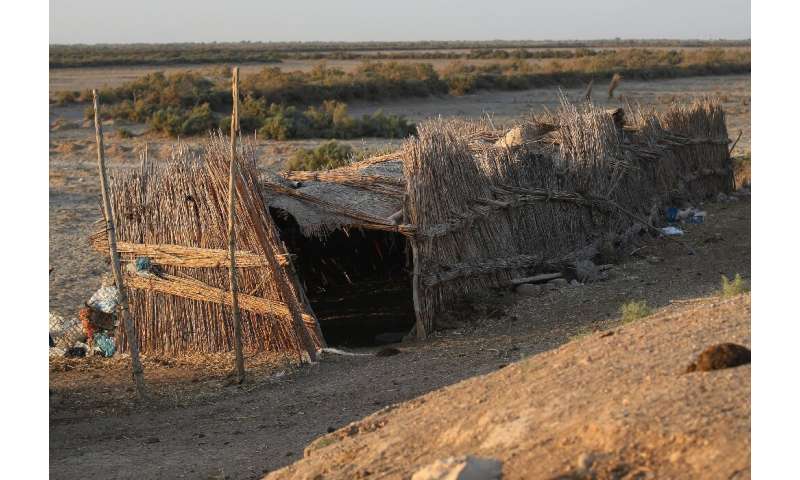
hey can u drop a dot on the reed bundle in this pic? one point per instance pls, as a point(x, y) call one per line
point(176, 213)
point(485, 212)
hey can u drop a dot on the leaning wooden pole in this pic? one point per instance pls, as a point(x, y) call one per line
point(130, 331)
point(237, 321)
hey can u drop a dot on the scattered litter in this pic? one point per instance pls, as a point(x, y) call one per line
point(671, 231)
point(65, 332)
point(143, 267)
point(698, 217)
point(686, 215)
point(79, 350)
point(672, 214)
point(105, 299)
point(104, 344)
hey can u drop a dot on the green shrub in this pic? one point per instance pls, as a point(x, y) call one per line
point(732, 288)
point(633, 310)
point(326, 156)
point(124, 133)
point(65, 98)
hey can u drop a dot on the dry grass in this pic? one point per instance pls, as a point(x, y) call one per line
point(732, 288)
point(634, 310)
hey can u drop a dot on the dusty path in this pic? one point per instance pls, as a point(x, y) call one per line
point(243, 434)
point(617, 404)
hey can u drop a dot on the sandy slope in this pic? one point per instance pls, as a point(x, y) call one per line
point(622, 399)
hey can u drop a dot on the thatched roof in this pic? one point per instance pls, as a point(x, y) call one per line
point(365, 194)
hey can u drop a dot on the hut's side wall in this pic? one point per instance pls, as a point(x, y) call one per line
point(486, 211)
point(184, 203)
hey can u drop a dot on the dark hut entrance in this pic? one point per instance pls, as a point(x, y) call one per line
point(357, 281)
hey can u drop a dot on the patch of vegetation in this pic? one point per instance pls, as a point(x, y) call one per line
point(732, 288)
point(330, 120)
point(281, 104)
point(124, 133)
point(188, 103)
point(325, 157)
point(634, 310)
point(262, 52)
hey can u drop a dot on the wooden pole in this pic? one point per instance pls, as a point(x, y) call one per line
point(415, 293)
point(130, 331)
point(237, 321)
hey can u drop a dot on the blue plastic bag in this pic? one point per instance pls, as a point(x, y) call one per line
point(105, 344)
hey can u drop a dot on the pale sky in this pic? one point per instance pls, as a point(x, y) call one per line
point(150, 21)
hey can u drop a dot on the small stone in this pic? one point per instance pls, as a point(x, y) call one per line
point(461, 468)
point(529, 290)
point(654, 259)
point(723, 355)
point(575, 283)
point(584, 462)
point(721, 197)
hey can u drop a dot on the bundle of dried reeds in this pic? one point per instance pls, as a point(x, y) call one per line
point(484, 211)
point(178, 218)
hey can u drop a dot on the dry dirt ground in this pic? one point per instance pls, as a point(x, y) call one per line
point(591, 397)
point(75, 196)
point(618, 404)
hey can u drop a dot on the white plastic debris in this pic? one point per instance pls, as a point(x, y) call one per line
point(671, 231)
point(105, 299)
point(65, 333)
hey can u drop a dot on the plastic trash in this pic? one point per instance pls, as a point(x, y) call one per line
point(672, 214)
point(143, 264)
point(672, 231)
point(65, 333)
point(698, 217)
point(104, 344)
point(105, 299)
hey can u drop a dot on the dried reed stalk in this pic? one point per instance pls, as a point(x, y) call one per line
point(233, 172)
point(136, 365)
point(180, 256)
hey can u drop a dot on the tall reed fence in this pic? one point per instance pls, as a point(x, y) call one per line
point(175, 213)
point(487, 208)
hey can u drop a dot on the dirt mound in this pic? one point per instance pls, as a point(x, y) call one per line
point(616, 404)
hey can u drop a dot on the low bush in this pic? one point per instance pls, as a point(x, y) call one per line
point(732, 288)
point(634, 310)
point(325, 157)
point(330, 120)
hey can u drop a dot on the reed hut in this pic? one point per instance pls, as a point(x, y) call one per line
point(397, 240)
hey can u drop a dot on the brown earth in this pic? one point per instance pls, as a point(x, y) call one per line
point(198, 426)
point(617, 404)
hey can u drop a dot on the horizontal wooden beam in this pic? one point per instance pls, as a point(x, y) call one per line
point(197, 290)
point(181, 256)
